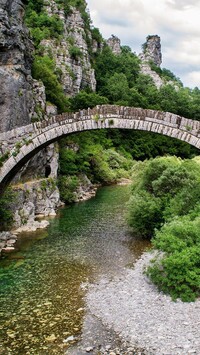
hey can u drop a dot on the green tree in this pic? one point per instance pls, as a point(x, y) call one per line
point(117, 88)
point(44, 69)
point(84, 100)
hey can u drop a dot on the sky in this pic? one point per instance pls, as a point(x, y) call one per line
point(177, 22)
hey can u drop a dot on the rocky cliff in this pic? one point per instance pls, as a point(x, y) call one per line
point(152, 50)
point(115, 44)
point(15, 65)
point(72, 54)
point(20, 94)
point(23, 99)
point(152, 53)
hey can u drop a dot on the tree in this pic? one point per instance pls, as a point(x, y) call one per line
point(117, 87)
point(84, 100)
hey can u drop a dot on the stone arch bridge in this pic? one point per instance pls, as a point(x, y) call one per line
point(20, 144)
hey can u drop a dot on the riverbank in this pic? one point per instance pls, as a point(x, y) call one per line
point(33, 221)
point(133, 308)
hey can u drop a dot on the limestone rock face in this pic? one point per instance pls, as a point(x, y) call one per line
point(21, 98)
point(146, 69)
point(152, 50)
point(114, 43)
point(35, 198)
point(15, 64)
point(71, 55)
point(44, 164)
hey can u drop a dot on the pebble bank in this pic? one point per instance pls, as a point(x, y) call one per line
point(132, 306)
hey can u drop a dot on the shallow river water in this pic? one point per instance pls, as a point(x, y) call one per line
point(43, 283)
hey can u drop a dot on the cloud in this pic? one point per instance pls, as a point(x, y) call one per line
point(182, 4)
point(192, 78)
point(175, 21)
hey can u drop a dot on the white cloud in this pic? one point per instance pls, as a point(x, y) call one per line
point(192, 78)
point(175, 21)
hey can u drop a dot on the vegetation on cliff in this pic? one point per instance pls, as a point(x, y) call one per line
point(165, 206)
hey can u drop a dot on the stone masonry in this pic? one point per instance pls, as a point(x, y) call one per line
point(20, 144)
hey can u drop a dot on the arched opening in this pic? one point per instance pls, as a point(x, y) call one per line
point(47, 171)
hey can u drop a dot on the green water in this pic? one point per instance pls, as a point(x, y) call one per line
point(41, 283)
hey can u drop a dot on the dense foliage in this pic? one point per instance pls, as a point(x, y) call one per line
point(165, 205)
point(44, 67)
point(92, 155)
point(119, 79)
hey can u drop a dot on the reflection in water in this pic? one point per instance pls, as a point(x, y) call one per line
point(42, 303)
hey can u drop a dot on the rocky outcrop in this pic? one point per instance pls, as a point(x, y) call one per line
point(36, 198)
point(151, 53)
point(15, 64)
point(146, 69)
point(7, 241)
point(44, 164)
point(22, 98)
point(152, 50)
point(72, 54)
point(85, 189)
point(115, 44)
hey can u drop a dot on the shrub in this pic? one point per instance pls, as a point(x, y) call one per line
point(75, 52)
point(178, 274)
point(67, 186)
point(144, 214)
point(44, 69)
point(164, 189)
point(87, 99)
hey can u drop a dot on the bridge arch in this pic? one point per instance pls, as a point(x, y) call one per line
point(26, 141)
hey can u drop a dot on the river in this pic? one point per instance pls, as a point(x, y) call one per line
point(43, 283)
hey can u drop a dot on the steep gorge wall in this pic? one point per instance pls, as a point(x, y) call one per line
point(71, 55)
point(20, 94)
point(23, 99)
point(15, 66)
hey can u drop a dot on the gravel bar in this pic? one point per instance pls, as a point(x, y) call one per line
point(132, 306)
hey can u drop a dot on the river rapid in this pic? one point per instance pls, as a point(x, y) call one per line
point(43, 284)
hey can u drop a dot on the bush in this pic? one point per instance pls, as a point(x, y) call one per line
point(177, 235)
point(144, 214)
point(75, 52)
point(178, 274)
point(84, 100)
point(67, 186)
point(44, 69)
point(164, 189)
point(43, 26)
